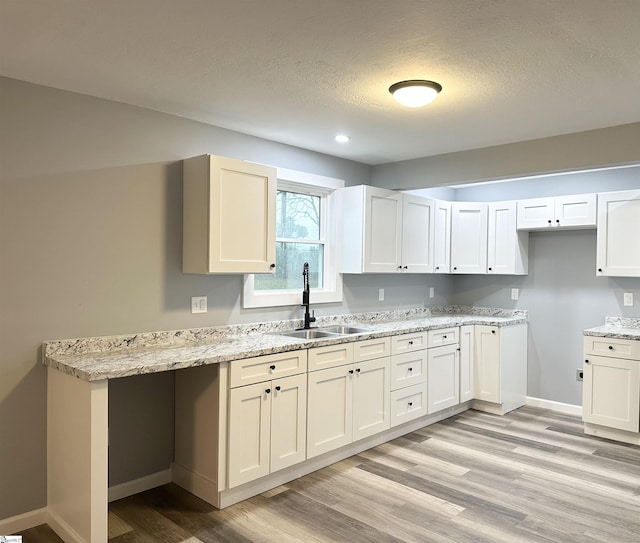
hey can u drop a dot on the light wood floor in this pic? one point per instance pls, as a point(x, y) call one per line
point(529, 476)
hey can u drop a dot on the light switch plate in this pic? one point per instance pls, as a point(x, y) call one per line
point(628, 298)
point(198, 304)
point(515, 293)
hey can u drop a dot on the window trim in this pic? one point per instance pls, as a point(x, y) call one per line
point(330, 226)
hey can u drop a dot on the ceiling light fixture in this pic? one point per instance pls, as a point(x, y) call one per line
point(415, 92)
point(342, 138)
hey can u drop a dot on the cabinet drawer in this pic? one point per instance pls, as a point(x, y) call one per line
point(263, 368)
point(445, 336)
point(408, 342)
point(330, 356)
point(408, 404)
point(371, 348)
point(614, 348)
point(408, 369)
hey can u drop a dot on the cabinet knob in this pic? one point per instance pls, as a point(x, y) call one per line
point(351, 372)
point(399, 267)
point(272, 267)
point(278, 388)
point(586, 362)
point(268, 391)
point(410, 342)
point(493, 331)
point(455, 267)
point(410, 369)
point(444, 337)
point(405, 268)
point(410, 404)
point(272, 367)
point(600, 270)
point(549, 221)
point(557, 221)
point(490, 269)
point(357, 370)
point(611, 347)
point(437, 267)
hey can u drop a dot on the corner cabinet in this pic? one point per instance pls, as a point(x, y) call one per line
point(386, 231)
point(229, 216)
point(617, 241)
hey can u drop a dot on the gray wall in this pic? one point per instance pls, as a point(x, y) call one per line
point(90, 244)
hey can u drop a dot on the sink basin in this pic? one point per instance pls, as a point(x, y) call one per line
point(345, 330)
point(313, 333)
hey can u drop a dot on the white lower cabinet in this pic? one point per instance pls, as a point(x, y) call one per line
point(408, 378)
point(443, 378)
point(347, 403)
point(408, 403)
point(267, 428)
point(611, 385)
point(500, 368)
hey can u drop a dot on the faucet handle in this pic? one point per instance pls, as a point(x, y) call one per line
point(313, 316)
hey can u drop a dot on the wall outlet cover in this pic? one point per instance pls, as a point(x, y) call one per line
point(381, 295)
point(198, 304)
point(628, 298)
point(431, 292)
point(515, 293)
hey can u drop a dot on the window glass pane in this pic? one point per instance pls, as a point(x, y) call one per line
point(290, 257)
point(297, 215)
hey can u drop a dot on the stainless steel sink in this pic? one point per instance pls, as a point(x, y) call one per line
point(312, 333)
point(344, 330)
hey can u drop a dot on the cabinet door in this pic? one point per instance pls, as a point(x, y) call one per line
point(329, 409)
point(618, 252)
point(468, 238)
point(611, 392)
point(441, 237)
point(535, 213)
point(371, 395)
point(466, 362)
point(417, 234)
point(229, 216)
point(487, 364)
point(382, 231)
point(288, 421)
point(443, 378)
point(576, 210)
point(249, 433)
point(507, 249)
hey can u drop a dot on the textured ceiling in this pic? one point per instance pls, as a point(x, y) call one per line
point(300, 71)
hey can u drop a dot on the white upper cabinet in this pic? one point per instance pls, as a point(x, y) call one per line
point(469, 237)
point(507, 249)
point(229, 216)
point(573, 211)
point(618, 237)
point(386, 231)
point(441, 236)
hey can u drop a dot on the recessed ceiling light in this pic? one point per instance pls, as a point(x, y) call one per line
point(342, 138)
point(415, 92)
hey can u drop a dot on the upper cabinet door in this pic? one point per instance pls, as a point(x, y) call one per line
point(536, 213)
point(575, 211)
point(507, 250)
point(469, 237)
point(382, 231)
point(229, 209)
point(442, 237)
point(417, 234)
point(618, 235)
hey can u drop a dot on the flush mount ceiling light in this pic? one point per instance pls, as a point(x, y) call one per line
point(342, 138)
point(415, 92)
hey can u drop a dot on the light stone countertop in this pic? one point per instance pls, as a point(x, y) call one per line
point(617, 328)
point(110, 357)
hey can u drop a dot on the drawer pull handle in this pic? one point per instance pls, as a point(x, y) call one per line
point(410, 404)
point(278, 388)
point(611, 347)
point(268, 391)
point(272, 367)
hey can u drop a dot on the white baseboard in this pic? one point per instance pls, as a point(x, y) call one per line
point(24, 521)
point(63, 528)
point(566, 408)
point(136, 486)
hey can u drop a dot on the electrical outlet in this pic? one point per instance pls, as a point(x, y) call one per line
point(381, 295)
point(579, 374)
point(515, 293)
point(628, 298)
point(198, 304)
point(431, 292)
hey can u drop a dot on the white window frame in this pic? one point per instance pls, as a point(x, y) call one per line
point(330, 225)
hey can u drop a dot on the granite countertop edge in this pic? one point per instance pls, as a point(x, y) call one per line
point(111, 357)
point(617, 328)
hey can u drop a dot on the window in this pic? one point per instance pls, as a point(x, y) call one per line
point(306, 231)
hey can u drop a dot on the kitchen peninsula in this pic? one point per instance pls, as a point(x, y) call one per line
point(414, 367)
